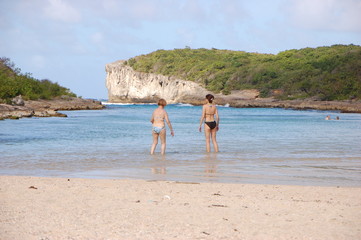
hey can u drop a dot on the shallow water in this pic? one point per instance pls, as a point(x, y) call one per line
point(267, 146)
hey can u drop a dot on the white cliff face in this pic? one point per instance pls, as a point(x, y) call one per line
point(126, 85)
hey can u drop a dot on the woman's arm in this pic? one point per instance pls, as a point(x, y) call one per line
point(152, 118)
point(217, 119)
point(169, 124)
point(202, 118)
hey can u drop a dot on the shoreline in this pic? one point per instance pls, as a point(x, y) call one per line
point(50, 108)
point(341, 106)
point(47, 108)
point(75, 208)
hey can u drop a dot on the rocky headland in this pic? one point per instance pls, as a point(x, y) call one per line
point(46, 108)
point(128, 86)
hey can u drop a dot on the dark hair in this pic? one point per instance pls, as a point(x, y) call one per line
point(210, 98)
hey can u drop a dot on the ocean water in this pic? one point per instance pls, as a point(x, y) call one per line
point(264, 146)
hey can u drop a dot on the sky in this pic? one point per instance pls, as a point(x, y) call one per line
point(71, 41)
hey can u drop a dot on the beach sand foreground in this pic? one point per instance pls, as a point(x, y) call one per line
point(61, 208)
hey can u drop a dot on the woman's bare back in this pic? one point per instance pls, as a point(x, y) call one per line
point(158, 117)
point(209, 111)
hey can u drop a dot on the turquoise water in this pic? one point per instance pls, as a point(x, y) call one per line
point(267, 146)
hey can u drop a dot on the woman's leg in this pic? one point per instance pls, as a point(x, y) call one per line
point(207, 132)
point(163, 139)
point(214, 139)
point(155, 142)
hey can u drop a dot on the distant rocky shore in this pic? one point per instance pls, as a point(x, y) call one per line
point(353, 106)
point(50, 108)
point(342, 106)
point(251, 99)
point(47, 108)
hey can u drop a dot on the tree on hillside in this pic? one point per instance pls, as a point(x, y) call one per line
point(13, 83)
point(326, 73)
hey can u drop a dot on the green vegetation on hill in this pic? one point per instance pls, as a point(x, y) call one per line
point(13, 83)
point(324, 73)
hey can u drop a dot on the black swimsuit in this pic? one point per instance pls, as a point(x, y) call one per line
point(211, 125)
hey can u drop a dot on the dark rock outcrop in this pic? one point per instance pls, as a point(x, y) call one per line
point(342, 106)
point(47, 108)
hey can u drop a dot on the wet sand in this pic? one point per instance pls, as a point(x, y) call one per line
point(61, 208)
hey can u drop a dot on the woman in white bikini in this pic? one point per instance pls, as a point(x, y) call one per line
point(211, 125)
point(158, 117)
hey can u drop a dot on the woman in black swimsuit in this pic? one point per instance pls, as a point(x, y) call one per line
point(211, 125)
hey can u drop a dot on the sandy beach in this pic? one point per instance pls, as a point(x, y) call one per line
point(62, 208)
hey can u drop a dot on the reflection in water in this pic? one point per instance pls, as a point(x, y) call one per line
point(158, 165)
point(211, 162)
point(205, 166)
point(159, 170)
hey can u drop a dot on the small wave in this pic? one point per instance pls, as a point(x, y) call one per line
point(110, 103)
point(184, 105)
point(225, 105)
point(126, 104)
point(145, 104)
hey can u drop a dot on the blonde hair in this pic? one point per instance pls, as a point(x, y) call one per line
point(162, 102)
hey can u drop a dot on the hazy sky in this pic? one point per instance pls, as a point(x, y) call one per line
point(70, 41)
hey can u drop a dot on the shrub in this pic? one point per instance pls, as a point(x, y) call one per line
point(14, 83)
point(331, 73)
